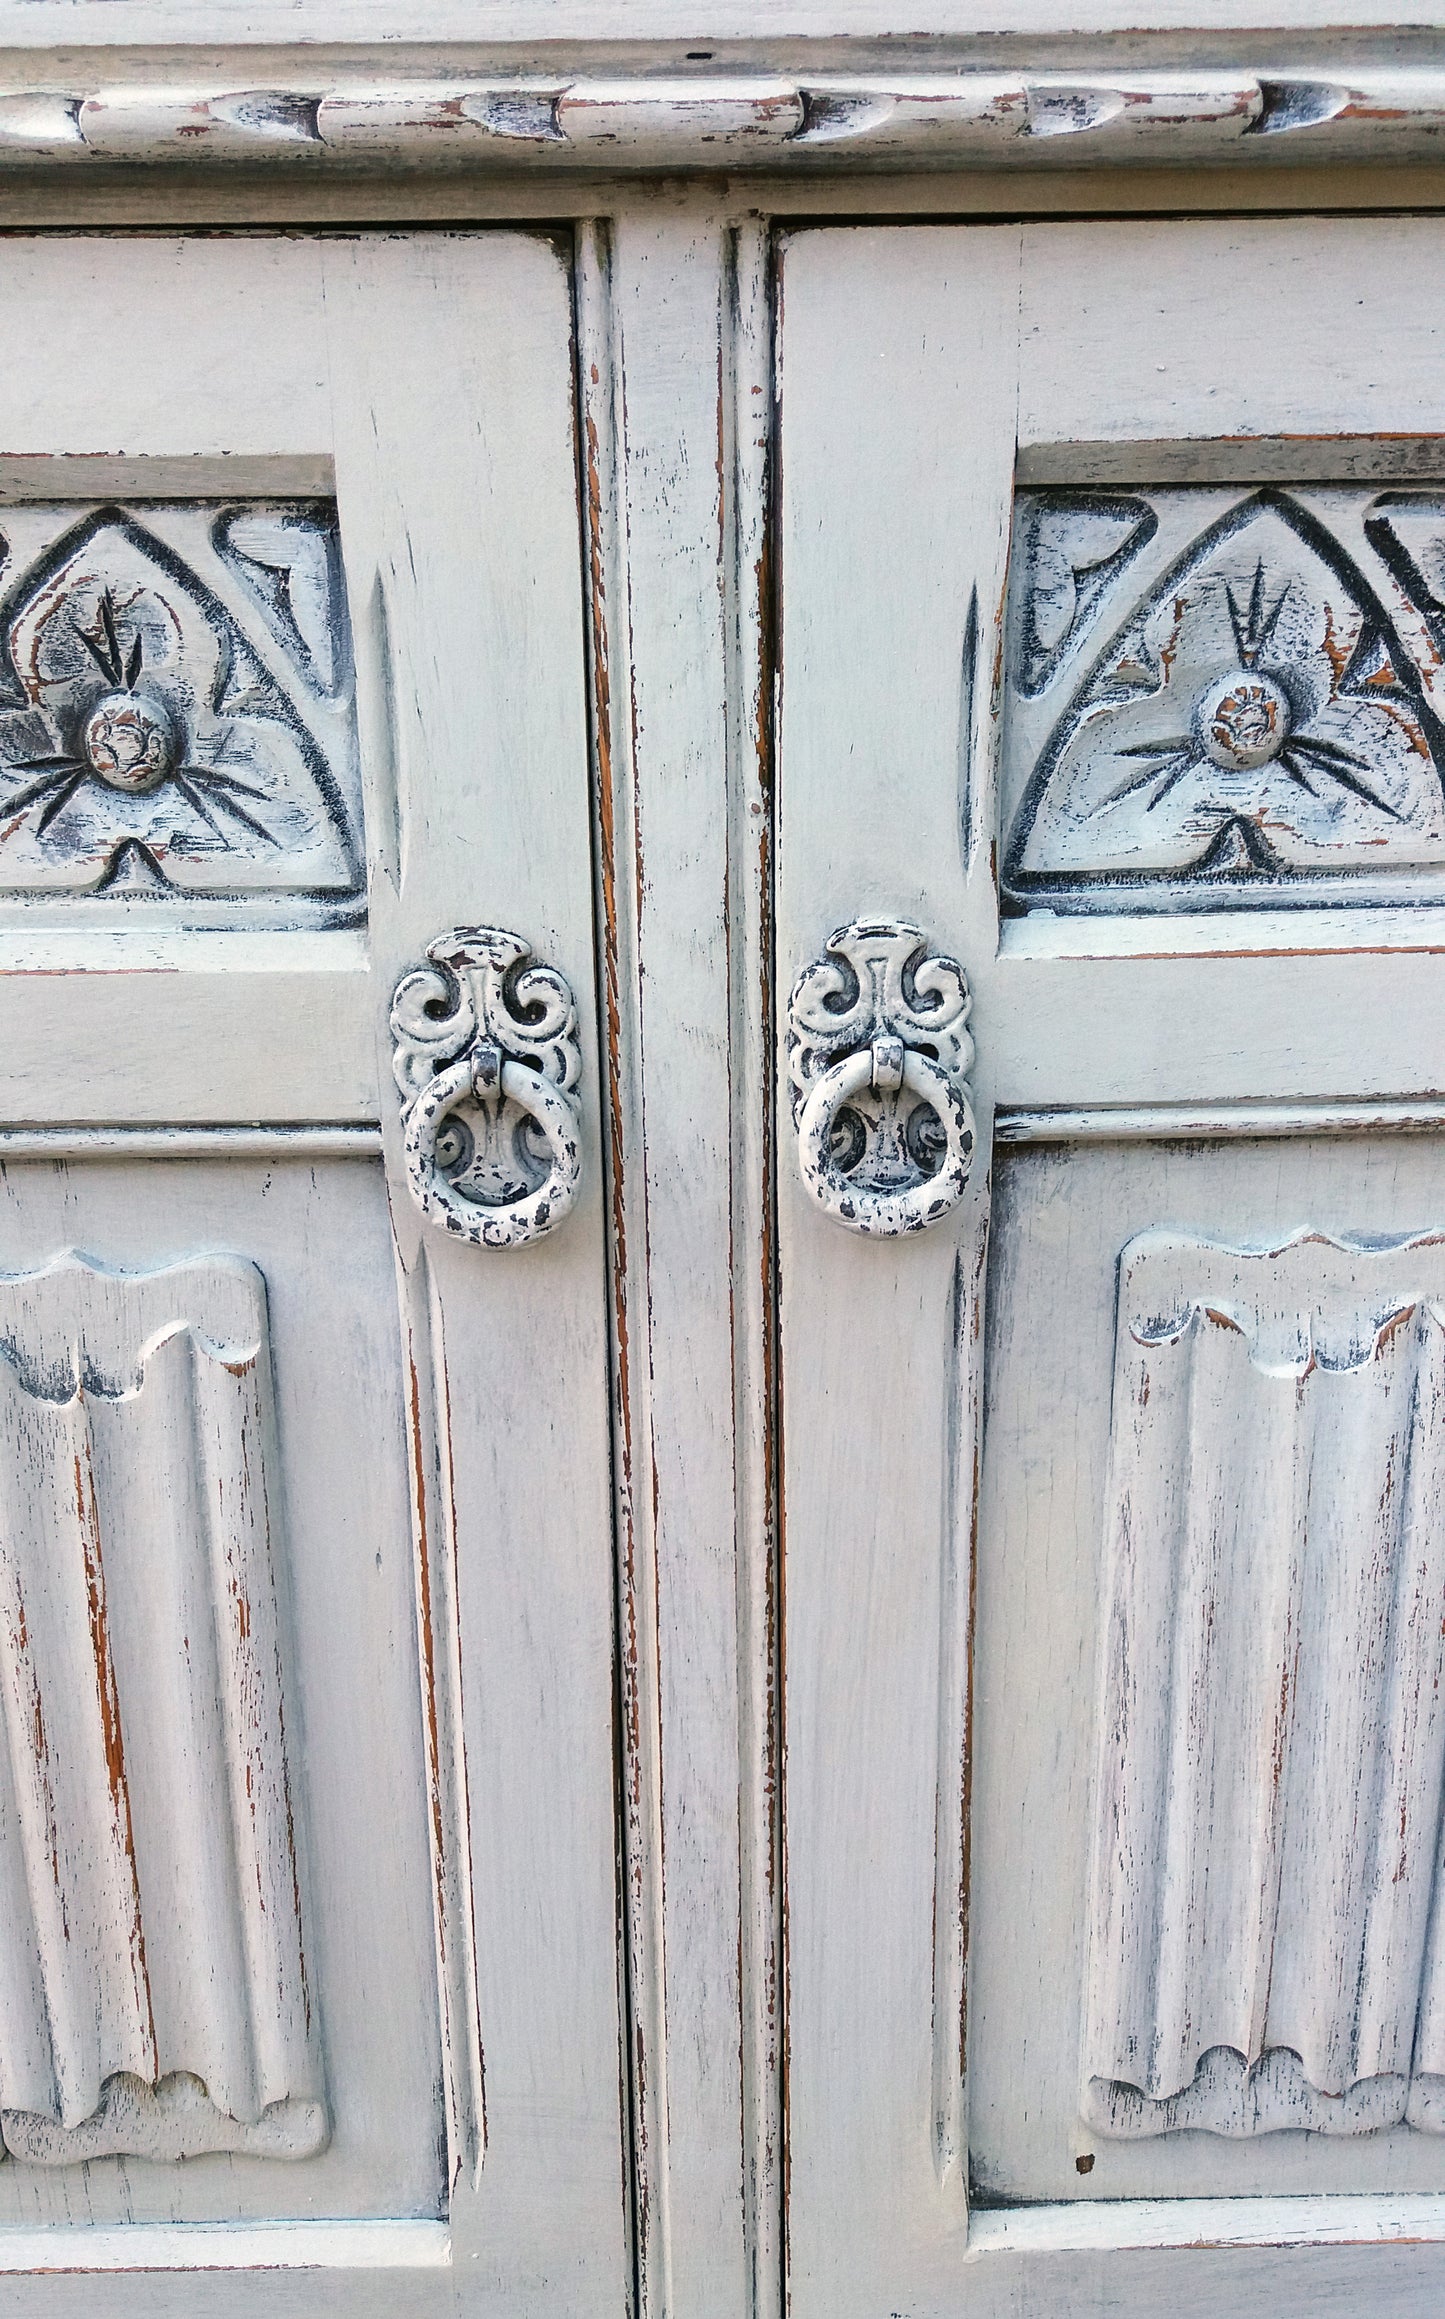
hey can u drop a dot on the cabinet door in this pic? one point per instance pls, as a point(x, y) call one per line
point(1113, 585)
point(307, 1980)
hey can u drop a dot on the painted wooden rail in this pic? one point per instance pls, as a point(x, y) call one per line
point(739, 119)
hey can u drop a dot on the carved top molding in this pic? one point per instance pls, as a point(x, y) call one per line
point(641, 120)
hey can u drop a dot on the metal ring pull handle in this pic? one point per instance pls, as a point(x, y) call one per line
point(878, 1041)
point(486, 1056)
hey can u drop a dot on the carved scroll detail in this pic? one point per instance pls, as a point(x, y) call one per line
point(1267, 1947)
point(153, 1994)
point(878, 1053)
point(486, 1056)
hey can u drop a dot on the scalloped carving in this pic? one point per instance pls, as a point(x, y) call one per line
point(1265, 1951)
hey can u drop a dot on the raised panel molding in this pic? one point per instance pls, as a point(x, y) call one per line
point(1224, 698)
point(1267, 1946)
point(153, 1988)
point(176, 709)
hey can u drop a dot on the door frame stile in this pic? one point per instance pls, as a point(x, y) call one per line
point(681, 712)
point(749, 408)
point(607, 627)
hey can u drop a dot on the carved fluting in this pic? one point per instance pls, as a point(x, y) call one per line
point(486, 1058)
point(650, 121)
point(176, 709)
point(1266, 1947)
point(1224, 698)
point(153, 1993)
point(879, 1052)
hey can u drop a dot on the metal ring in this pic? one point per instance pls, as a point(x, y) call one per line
point(519, 1221)
point(885, 1213)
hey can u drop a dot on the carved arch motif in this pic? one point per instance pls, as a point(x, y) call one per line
point(175, 706)
point(1260, 722)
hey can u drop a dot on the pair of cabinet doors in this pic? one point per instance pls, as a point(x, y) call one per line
point(722, 1269)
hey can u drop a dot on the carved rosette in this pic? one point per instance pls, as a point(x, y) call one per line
point(176, 715)
point(878, 1056)
point(1224, 698)
point(486, 1058)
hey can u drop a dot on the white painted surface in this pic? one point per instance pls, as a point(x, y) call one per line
point(673, 354)
point(474, 731)
point(152, 1928)
point(430, 374)
point(572, 116)
point(190, 2247)
point(878, 814)
point(317, 1231)
point(446, 1595)
point(1268, 1802)
point(517, 22)
point(886, 782)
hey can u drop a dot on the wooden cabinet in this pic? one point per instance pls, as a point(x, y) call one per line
point(722, 869)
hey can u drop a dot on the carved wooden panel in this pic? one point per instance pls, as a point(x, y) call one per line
point(153, 1990)
point(1224, 698)
point(176, 709)
point(1267, 1949)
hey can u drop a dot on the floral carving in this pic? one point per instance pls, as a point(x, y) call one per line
point(163, 724)
point(1260, 725)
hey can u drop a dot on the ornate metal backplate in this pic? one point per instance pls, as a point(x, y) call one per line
point(486, 1058)
point(1223, 697)
point(176, 711)
point(879, 1052)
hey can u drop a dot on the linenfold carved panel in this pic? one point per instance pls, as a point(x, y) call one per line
point(1267, 1945)
point(1224, 698)
point(176, 709)
point(153, 1993)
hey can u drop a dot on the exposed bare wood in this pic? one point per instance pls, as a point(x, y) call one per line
point(748, 421)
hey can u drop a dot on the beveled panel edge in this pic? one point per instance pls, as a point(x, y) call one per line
point(1213, 1122)
point(1079, 2226)
point(339, 1141)
point(363, 2245)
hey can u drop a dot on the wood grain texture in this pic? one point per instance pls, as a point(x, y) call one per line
point(146, 1832)
point(674, 365)
point(318, 1232)
point(1271, 1754)
point(1061, 1219)
point(473, 695)
point(885, 758)
point(879, 677)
